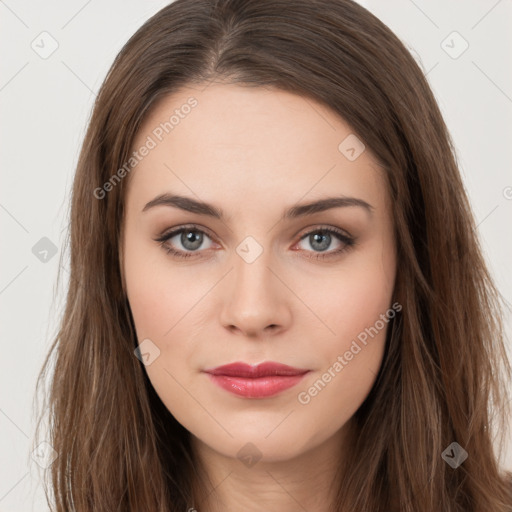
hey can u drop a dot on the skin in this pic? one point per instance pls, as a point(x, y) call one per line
point(255, 152)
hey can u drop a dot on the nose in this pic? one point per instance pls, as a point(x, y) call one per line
point(256, 300)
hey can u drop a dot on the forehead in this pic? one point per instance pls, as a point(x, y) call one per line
point(225, 139)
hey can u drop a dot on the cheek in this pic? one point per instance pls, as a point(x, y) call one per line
point(167, 303)
point(160, 299)
point(356, 306)
point(160, 295)
point(354, 297)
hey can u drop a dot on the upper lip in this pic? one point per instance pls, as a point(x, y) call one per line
point(270, 368)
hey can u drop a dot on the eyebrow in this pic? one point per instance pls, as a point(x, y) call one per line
point(201, 208)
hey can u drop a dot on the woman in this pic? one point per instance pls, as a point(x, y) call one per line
point(277, 298)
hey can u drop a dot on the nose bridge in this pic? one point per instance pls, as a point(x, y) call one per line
point(252, 274)
point(252, 277)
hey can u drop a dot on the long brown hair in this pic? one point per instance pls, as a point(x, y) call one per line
point(444, 373)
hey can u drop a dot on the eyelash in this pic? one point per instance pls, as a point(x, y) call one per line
point(348, 241)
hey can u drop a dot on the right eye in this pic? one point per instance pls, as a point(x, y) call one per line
point(190, 238)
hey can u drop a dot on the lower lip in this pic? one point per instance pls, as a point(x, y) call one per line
point(261, 387)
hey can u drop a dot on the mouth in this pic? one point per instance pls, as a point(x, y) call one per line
point(260, 381)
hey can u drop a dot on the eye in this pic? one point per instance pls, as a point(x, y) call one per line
point(320, 239)
point(189, 237)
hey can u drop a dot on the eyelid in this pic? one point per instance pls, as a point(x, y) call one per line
point(313, 228)
point(191, 226)
point(305, 231)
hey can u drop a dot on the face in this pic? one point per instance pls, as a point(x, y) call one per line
point(255, 277)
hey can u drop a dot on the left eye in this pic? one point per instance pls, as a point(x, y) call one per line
point(321, 239)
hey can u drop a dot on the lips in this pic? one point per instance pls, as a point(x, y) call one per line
point(260, 381)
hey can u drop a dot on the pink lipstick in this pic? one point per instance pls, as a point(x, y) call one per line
point(260, 381)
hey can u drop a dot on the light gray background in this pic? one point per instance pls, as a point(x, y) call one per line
point(45, 104)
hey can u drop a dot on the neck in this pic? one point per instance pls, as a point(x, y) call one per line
point(304, 482)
